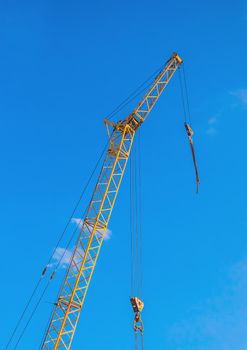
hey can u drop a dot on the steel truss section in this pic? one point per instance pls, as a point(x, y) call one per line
point(68, 307)
point(67, 310)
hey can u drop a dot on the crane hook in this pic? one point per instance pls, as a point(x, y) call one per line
point(137, 305)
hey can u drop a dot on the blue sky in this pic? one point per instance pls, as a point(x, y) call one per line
point(64, 67)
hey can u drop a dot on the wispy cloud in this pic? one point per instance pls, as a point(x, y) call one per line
point(108, 234)
point(79, 223)
point(212, 121)
point(211, 131)
point(219, 323)
point(211, 128)
point(62, 256)
point(241, 95)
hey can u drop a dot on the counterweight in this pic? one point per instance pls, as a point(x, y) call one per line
point(68, 307)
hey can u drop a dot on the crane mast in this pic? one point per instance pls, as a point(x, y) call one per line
point(67, 309)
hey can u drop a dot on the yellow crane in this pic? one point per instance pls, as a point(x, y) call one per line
point(67, 309)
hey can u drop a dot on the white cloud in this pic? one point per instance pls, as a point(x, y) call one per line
point(212, 120)
point(219, 323)
point(79, 223)
point(211, 131)
point(241, 95)
point(212, 123)
point(62, 256)
point(108, 234)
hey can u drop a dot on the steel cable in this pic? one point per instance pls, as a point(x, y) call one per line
point(51, 258)
point(134, 94)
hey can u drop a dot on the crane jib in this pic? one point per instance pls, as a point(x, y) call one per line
point(67, 309)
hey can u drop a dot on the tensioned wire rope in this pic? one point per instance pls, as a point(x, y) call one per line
point(136, 272)
point(184, 95)
point(51, 257)
point(140, 211)
point(135, 93)
point(48, 283)
point(120, 107)
point(135, 226)
point(187, 116)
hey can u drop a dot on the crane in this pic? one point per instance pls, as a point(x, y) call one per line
point(67, 309)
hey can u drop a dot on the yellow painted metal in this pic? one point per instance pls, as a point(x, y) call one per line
point(68, 307)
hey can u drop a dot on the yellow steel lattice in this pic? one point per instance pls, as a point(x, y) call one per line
point(67, 310)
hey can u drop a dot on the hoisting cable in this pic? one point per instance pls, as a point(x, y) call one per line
point(182, 94)
point(24, 311)
point(136, 341)
point(135, 93)
point(140, 210)
point(186, 94)
point(188, 128)
point(46, 287)
point(125, 102)
point(51, 258)
point(31, 316)
point(131, 225)
point(142, 340)
point(136, 242)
